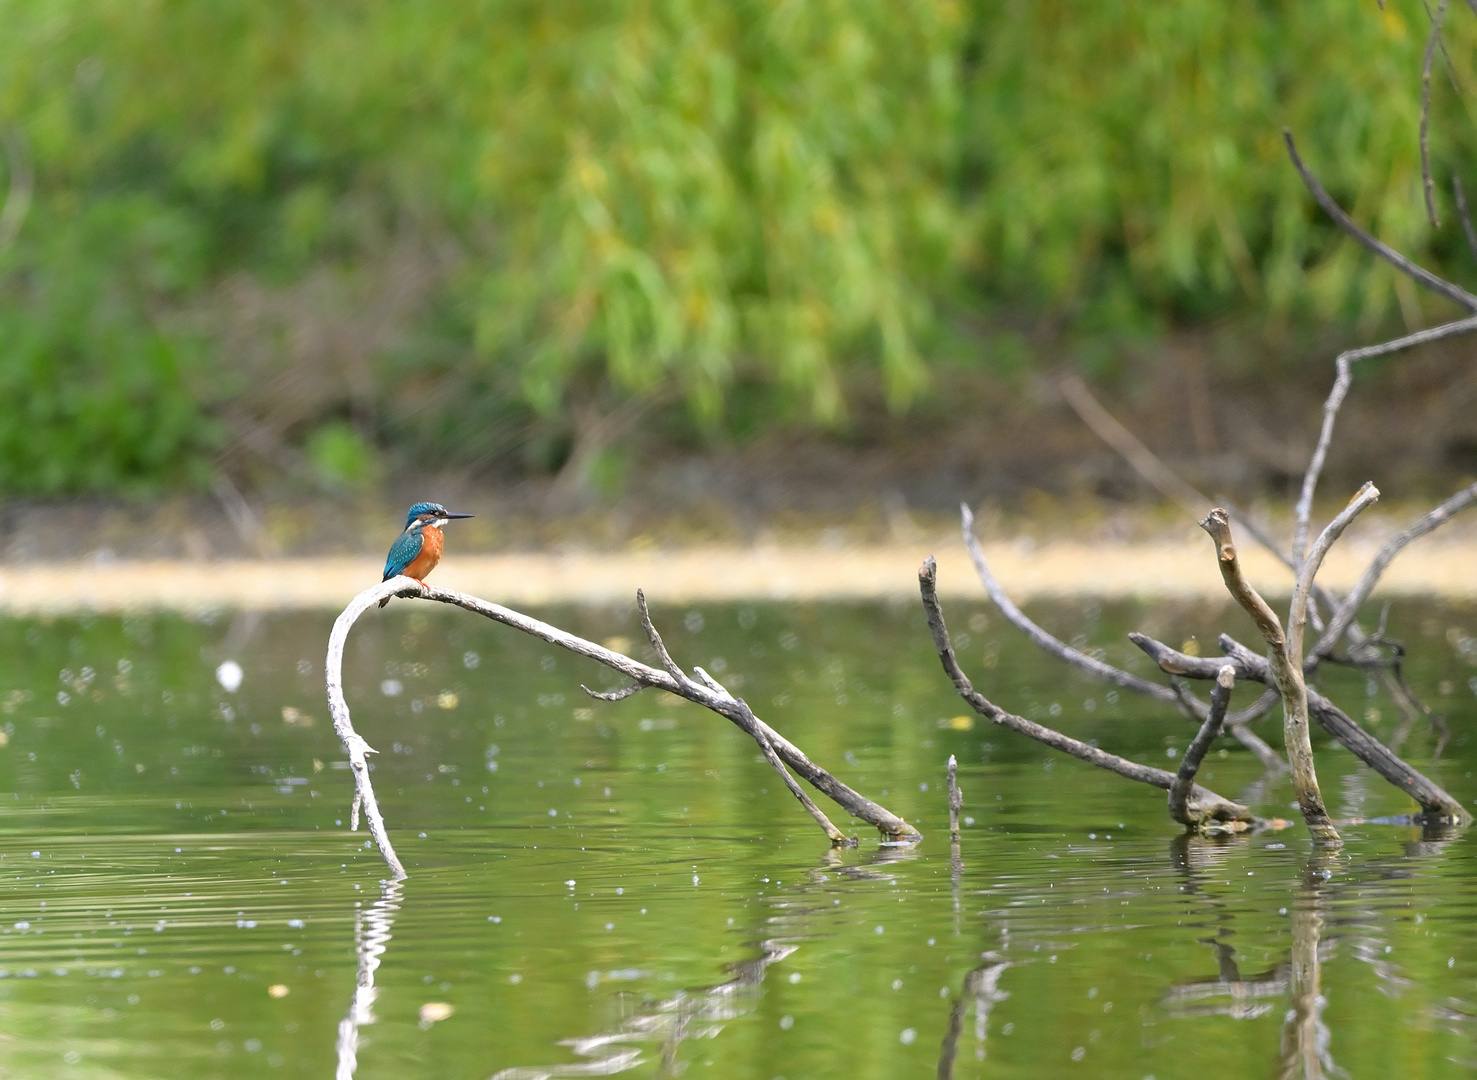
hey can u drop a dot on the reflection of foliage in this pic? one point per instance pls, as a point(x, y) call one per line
point(658, 195)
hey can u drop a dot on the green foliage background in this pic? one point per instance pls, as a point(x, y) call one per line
point(454, 228)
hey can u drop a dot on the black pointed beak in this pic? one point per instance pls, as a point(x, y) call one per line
point(449, 514)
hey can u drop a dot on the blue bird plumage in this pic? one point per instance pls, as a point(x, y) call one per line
point(402, 552)
point(410, 544)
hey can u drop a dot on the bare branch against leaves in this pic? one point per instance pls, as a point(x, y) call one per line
point(1209, 810)
point(1437, 285)
point(22, 185)
point(1461, 211)
point(1428, 183)
point(1344, 366)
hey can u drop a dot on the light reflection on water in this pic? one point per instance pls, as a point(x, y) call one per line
point(628, 889)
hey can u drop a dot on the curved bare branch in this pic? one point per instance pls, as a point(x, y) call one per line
point(1055, 646)
point(1437, 285)
point(1344, 365)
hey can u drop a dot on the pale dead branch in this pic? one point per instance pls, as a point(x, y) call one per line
point(1287, 672)
point(704, 691)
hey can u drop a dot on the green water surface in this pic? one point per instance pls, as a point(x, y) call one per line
point(598, 888)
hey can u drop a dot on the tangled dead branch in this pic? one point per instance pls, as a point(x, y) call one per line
point(1286, 667)
point(1204, 809)
point(703, 690)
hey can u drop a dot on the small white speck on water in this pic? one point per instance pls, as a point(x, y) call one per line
point(229, 674)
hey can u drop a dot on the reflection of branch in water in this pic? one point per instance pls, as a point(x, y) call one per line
point(692, 1014)
point(1193, 856)
point(1305, 1036)
point(1193, 999)
point(686, 1014)
point(371, 938)
point(981, 986)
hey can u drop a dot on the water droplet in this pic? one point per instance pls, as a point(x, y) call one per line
point(229, 675)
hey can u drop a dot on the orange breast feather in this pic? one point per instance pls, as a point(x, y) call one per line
point(432, 540)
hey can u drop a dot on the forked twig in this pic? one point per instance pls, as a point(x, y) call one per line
point(1286, 670)
point(1344, 366)
point(707, 693)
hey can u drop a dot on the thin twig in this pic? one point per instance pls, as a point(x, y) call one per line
point(656, 640)
point(1364, 498)
point(767, 748)
point(1430, 55)
point(1288, 674)
point(1461, 212)
point(1344, 365)
point(1144, 461)
point(22, 186)
point(1060, 649)
point(1437, 285)
point(1344, 615)
point(1236, 723)
point(1184, 780)
point(1206, 805)
point(956, 798)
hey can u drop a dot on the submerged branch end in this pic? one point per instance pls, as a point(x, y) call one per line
point(956, 798)
point(1184, 780)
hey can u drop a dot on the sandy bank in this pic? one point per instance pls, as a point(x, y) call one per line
point(1145, 571)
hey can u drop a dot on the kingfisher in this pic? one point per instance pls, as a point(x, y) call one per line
point(417, 550)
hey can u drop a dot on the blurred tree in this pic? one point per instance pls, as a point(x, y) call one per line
point(258, 221)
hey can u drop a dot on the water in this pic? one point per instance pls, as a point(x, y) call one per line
point(604, 886)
